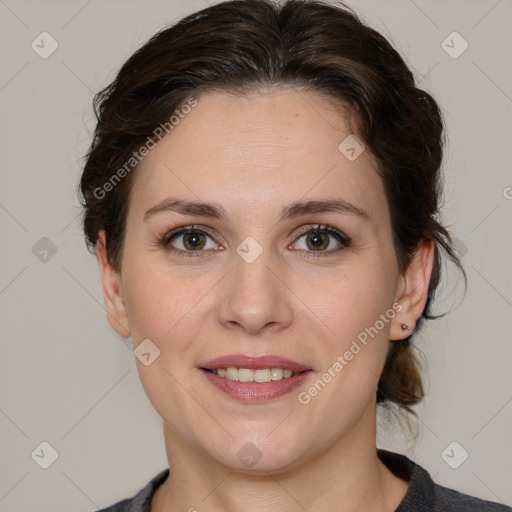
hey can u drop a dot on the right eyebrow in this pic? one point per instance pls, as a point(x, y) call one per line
point(197, 208)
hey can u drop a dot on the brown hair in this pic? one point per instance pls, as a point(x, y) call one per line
point(253, 45)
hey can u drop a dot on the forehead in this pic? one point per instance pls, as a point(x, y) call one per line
point(259, 151)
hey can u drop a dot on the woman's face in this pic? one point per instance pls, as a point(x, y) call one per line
point(259, 282)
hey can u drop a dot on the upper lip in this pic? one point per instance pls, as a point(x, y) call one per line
point(253, 362)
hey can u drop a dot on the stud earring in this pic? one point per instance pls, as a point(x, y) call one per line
point(406, 327)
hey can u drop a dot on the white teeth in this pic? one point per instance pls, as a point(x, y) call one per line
point(262, 375)
point(277, 373)
point(250, 375)
point(245, 375)
point(232, 373)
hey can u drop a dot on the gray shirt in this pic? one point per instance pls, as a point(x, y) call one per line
point(423, 494)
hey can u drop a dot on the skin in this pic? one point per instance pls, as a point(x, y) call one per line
point(255, 154)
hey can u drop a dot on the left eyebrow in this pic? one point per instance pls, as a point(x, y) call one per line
point(322, 206)
point(295, 209)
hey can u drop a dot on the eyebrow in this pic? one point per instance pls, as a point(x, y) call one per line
point(295, 209)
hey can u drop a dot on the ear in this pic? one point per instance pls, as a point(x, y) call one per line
point(413, 290)
point(112, 293)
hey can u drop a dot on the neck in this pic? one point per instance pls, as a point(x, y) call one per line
point(347, 477)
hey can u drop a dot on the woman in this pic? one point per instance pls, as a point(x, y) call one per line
point(262, 196)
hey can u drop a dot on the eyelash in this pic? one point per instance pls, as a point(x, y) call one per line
point(343, 239)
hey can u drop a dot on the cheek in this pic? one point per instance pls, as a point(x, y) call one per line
point(163, 307)
point(352, 299)
point(158, 302)
point(357, 307)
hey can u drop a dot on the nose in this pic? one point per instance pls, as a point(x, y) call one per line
point(254, 296)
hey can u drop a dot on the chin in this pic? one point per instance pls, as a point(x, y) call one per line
point(259, 465)
point(259, 455)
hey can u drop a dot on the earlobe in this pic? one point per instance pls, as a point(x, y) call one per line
point(112, 293)
point(413, 291)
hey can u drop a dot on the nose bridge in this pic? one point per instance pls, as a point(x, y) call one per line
point(253, 296)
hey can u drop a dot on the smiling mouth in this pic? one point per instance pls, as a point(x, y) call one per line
point(260, 375)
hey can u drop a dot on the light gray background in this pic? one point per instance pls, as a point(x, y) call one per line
point(68, 379)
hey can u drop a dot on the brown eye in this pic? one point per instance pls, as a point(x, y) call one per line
point(323, 240)
point(193, 240)
point(317, 241)
point(189, 240)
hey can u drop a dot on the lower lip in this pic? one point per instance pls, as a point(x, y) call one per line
point(256, 391)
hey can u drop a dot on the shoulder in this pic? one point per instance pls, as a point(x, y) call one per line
point(142, 500)
point(424, 495)
point(454, 501)
point(120, 506)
